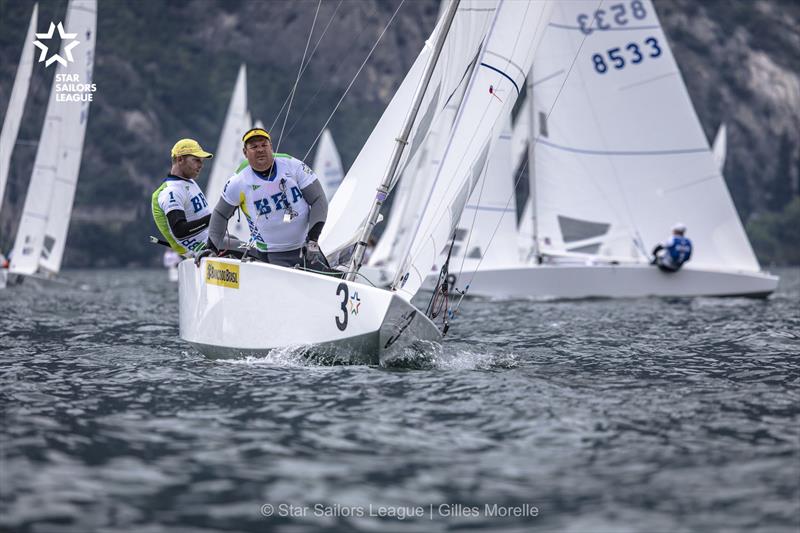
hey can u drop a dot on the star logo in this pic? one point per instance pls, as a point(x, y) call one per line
point(354, 303)
point(67, 46)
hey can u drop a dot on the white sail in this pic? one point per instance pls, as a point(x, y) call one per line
point(351, 204)
point(328, 164)
point(42, 231)
point(16, 103)
point(498, 69)
point(486, 234)
point(720, 147)
point(623, 157)
point(228, 154)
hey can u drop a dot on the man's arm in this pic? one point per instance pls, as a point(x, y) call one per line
point(318, 204)
point(181, 228)
point(219, 223)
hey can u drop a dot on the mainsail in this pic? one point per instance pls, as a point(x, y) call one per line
point(45, 219)
point(494, 71)
point(622, 155)
point(16, 104)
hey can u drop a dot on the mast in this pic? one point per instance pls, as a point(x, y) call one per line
point(400, 143)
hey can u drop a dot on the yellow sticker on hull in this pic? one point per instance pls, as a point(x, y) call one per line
point(222, 274)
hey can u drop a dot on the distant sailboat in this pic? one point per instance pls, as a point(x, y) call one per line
point(42, 232)
point(720, 147)
point(13, 118)
point(328, 164)
point(608, 174)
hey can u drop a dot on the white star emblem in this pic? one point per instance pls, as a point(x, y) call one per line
point(67, 46)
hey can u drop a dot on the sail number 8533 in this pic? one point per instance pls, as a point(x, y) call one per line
point(633, 52)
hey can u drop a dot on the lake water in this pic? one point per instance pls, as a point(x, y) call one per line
point(601, 415)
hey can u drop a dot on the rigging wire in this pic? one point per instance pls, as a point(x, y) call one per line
point(355, 77)
point(310, 57)
point(299, 73)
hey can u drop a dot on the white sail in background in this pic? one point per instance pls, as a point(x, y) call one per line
point(228, 154)
point(48, 205)
point(622, 157)
point(720, 147)
point(16, 103)
point(496, 72)
point(328, 164)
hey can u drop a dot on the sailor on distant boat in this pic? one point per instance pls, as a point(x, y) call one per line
point(180, 210)
point(283, 202)
point(671, 255)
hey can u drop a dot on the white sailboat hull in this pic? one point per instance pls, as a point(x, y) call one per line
point(610, 281)
point(230, 309)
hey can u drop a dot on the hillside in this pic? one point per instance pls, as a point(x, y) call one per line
point(165, 70)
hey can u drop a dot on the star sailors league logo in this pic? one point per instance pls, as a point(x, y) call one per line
point(68, 46)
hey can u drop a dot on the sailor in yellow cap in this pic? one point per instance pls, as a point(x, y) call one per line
point(180, 209)
point(283, 201)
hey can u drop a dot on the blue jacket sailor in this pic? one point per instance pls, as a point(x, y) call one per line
point(670, 256)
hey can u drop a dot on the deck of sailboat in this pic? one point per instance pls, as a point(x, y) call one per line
point(579, 281)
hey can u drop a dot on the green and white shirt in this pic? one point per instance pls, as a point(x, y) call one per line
point(185, 195)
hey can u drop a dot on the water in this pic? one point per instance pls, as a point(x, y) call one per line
point(637, 415)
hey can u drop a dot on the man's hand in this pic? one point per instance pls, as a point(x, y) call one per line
point(314, 258)
point(206, 252)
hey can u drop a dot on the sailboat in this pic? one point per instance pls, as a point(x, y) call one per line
point(328, 164)
point(13, 117)
point(478, 58)
point(610, 172)
point(41, 236)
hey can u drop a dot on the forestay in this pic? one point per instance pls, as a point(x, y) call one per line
point(16, 103)
point(494, 69)
point(45, 219)
point(622, 156)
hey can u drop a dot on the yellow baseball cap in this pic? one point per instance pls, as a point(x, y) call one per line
point(255, 132)
point(189, 147)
